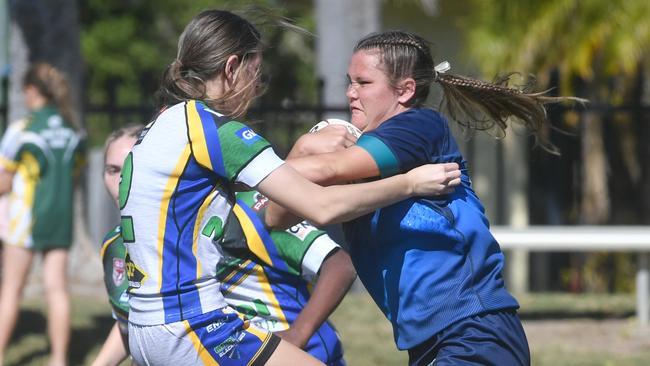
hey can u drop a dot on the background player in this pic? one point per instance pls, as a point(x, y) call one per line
point(40, 157)
point(113, 251)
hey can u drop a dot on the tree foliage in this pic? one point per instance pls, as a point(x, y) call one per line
point(132, 41)
point(589, 39)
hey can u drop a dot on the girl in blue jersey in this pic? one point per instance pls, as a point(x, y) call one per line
point(177, 192)
point(430, 264)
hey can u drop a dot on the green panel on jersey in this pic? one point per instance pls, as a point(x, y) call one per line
point(293, 243)
point(115, 277)
point(213, 228)
point(125, 180)
point(239, 145)
point(128, 233)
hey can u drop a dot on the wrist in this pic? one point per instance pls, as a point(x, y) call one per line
point(409, 184)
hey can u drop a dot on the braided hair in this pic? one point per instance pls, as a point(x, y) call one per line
point(473, 103)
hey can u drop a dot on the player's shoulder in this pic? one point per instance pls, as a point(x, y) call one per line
point(112, 234)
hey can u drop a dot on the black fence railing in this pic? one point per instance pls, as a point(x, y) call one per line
point(554, 181)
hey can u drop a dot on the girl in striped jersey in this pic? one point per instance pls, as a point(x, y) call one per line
point(272, 293)
point(177, 192)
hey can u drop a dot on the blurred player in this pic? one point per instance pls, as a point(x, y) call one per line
point(39, 159)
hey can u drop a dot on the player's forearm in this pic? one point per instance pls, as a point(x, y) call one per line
point(336, 276)
point(328, 205)
point(313, 169)
point(320, 169)
point(112, 352)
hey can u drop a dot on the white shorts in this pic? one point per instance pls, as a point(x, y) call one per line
point(219, 337)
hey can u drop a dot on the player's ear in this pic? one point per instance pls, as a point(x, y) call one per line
point(231, 68)
point(406, 90)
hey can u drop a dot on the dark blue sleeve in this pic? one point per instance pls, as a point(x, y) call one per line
point(404, 142)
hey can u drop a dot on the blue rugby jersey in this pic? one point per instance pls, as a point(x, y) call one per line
point(176, 193)
point(426, 262)
point(272, 292)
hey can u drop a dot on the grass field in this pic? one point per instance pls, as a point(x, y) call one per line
point(562, 329)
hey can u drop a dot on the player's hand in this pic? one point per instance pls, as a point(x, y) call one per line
point(434, 179)
point(293, 336)
point(329, 139)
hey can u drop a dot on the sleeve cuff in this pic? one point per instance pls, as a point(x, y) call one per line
point(258, 169)
point(381, 153)
point(316, 255)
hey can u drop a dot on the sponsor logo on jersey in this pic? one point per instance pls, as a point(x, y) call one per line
point(119, 269)
point(260, 201)
point(301, 230)
point(215, 326)
point(248, 136)
point(135, 274)
point(229, 346)
point(124, 298)
point(56, 135)
point(54, 121)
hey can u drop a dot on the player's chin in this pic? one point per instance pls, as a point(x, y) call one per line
point(358, 119)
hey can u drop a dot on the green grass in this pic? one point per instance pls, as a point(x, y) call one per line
point(367, 336)
point(91, 322)
point(558, 305)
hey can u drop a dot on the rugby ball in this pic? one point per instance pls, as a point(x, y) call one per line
point(352, 129)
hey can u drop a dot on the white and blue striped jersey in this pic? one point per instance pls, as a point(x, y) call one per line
point(176, 194)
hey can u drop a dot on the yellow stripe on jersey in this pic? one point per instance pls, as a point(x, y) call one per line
point(197, 228)
point(273, 301)
point(233, 273)
point(259, 333)
point(253, 239)
point(197, 136)
point(8, 165)
point(13, 223)
point(204, 355)
point(107, 243)
point(239, 281)
point(30, 171)
point(170, 187)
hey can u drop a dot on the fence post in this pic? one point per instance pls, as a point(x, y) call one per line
point(642, 289)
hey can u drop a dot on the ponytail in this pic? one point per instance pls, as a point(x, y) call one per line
point(52, 84)
point(484, 106)
point(474, 104)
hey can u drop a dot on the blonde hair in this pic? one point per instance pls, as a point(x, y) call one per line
point(132, 130)
point(53, 86)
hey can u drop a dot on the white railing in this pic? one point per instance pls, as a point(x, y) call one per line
point(588, 239)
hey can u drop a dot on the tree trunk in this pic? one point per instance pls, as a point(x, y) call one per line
point(595, 204)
